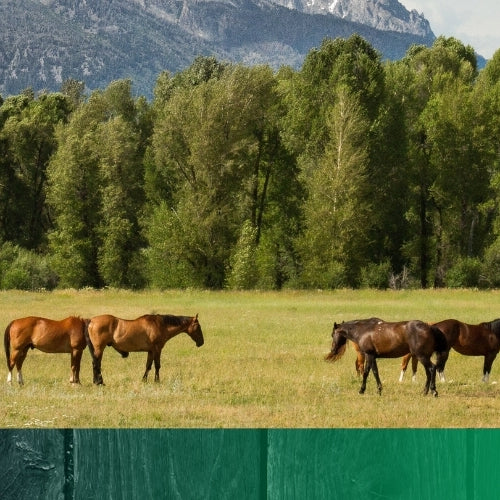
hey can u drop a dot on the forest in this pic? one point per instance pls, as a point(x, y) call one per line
point(352, 171)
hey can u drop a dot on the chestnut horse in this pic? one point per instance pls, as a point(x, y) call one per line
point(149, 333)
point(473, 340)
point(47, 335)
point(380, 339)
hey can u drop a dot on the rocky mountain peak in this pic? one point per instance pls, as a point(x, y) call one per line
point(384, 15)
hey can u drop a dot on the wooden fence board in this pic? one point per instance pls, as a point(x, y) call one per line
point(183, 464)
point(32, 464)
point(413, 464)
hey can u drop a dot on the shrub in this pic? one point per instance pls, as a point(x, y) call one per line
point(376, 275)
point(465, 273)
point(24, 270)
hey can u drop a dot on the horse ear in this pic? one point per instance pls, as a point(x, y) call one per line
point(335, 326)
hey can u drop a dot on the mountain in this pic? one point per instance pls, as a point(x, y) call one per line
point(385, 15)
point(44, 42)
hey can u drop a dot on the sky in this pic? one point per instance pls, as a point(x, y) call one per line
point(475, 23)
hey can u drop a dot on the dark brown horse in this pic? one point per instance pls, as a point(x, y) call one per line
point(472, 340)
point(380, 339)
point(47, 335)
point(148, 333)
point(359, 364)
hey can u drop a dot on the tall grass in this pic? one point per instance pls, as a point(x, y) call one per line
point(261, 366)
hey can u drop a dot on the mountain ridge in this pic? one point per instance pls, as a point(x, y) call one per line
point(46, 42)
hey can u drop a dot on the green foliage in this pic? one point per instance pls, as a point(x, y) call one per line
point(242, 273)
point(376, 275)
point(466, 273)
point(96, 191)
point(346, 173)
point(168, 260)
point(24, 270)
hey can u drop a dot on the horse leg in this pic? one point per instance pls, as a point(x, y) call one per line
point(96, 365)
point(414, 366)
point(430, 372)
point(359, 363)
point(366, 371)
point(76, 358)
point(11, 363)
point(488, 361)
point(441, 358)
point(17, 359)
point(157, 366)
point(149, 364)
point(404, 366)
point(375, 374)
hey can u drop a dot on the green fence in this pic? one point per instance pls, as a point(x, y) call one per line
point(250, 464)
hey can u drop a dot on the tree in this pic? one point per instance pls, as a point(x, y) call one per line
point(319, 100)
point(333, 245)
point(214, 146)
point(96, 191)
point(430, 74)
point(27, 138)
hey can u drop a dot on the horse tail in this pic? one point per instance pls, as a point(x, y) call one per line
point(440, 341)
point(86, 323)
point(338, 349)
point(6, 343)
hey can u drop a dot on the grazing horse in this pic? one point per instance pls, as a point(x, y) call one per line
point(47, 335)
point(149, 333)
point(359, 364)
point(380, 339)
point(472, 340)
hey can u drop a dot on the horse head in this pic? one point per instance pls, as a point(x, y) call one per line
point(195, 332)
point(339, 342)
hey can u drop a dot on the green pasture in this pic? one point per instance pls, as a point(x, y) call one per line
point(261, 366)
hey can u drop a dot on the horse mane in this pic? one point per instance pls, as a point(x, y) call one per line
point(172, 320)
point(338, 351)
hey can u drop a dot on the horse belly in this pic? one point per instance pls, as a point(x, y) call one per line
point(473, 348)
point(56, 344)
point(131, 343)
point(388, 349)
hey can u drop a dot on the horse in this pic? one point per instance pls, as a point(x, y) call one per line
point(46, 335)
point(380, 339)
point(359, 363)
point(148, 333)
point(482, 339)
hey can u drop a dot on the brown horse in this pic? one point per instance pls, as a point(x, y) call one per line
point(47, 335)
point(472, 340)
point(149, 333)
point(359, 364)
point(380, 339)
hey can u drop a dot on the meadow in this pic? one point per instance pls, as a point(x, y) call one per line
point(262, 364)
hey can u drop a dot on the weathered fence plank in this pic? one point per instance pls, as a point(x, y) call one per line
point(256, 464)
point(32, 464)
point(184, 464)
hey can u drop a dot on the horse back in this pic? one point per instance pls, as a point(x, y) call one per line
point(101, 328)
point(452, 329)
point(477, 340)
point(48, 335)
point(125, 335)
point(386, 340)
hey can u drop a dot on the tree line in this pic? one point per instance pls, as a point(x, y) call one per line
point(348, 172)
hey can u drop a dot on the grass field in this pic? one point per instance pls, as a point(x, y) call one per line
point(261, 366)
